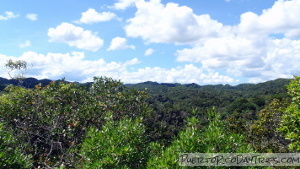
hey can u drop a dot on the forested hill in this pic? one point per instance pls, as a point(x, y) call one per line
point(175, 97)
point(269, 87)
point(275, 88)
point(172, 103)
point(213, 95)
point(28, 82)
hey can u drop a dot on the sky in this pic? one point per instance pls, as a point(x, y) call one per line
point(167, 41)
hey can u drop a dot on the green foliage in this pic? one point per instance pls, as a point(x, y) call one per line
point(54, 119)
point(11, 155)
point(172, 104)
point(214, 139)
point(119, 144)
point(107, 125)
point(164, 125)
point(291, 119)
point(263, 134)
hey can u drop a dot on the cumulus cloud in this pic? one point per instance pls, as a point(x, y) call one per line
point(123, 4)
point(248, 49)
point(149, 52)
point(57, 65)
point(119, 43)
point(75, 37)
point(282, 17)
point(155, 22)
point(92, 16)
point(27, 43)
point(258, 60)
point(8, 15)
point(32, 16)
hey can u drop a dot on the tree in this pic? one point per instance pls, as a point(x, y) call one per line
point(291, 118)
point(19, 67)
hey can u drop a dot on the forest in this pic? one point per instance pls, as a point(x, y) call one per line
point(108, 124)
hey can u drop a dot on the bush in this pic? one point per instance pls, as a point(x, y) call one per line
point(119, 144)
point(263, 134)
point(10, 155)
point(54, 119)
point(291, 118)
point(215, 139)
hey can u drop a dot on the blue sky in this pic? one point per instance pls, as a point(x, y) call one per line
point(173, 41)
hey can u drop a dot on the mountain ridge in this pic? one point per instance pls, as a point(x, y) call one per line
point(31, 82)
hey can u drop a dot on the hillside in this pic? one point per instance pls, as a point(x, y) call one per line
point(188, 96)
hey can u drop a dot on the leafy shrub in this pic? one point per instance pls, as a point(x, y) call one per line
point(11, 155)
point(263, 134)
point(215, 139)
point(54, 119)
point(119, 144)
point(291, 118)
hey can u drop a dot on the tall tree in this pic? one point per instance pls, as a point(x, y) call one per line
point(18, 67)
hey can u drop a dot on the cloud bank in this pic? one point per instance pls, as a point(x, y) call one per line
point(58, 65)
point(249, 49)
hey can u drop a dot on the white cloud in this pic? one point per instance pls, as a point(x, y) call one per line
point(123, 4)
point(57, 65)
point(119, 43)
point(282, 17)
point(155, 22)
point(32, 16)
point(149, 52)
point(245, 50)
point(259, 60)
point(8, 15)
point(75, 37)
point(27, 43)
point(248, 49)
point(186, 74)
point(92, 16)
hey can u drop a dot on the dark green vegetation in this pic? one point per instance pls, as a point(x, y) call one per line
point(105, 124)
point(239, 105)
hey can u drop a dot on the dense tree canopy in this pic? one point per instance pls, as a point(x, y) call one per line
point(106, 124)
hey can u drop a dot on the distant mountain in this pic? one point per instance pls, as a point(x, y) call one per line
point(268, 87)
point(265, 88)
point(27, 82)
point(151, 84)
